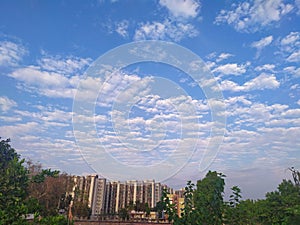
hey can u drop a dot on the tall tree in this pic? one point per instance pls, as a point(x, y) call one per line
point(208, 199)
point(283, 205)
point(188, 216)
point(49, 188)
point(232, 210)
point(13, 184)
point(168, 207)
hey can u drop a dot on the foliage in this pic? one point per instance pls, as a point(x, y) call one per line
point(168, 207)
point(41, 177)
point(123, 214)
point(208, 199)
point(187, 216)
point(283, 205)
point(53, 220)
point(159, 208)
point(30, 189)
point(203, 205)
point(232, 211)
point(49, 189)
point(13, 184)
point(81, 209)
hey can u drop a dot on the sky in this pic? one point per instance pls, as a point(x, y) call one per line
point(163, 90)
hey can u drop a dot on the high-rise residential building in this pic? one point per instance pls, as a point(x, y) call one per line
point(83, 188)
point(149, 193)
point(91, 189)
point(109, 197)
point(98, 201)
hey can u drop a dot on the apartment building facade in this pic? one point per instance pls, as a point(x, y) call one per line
point(106, 197)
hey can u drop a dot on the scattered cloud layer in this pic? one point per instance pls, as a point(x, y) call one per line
point(6, 103)
point(53, 76)
point(167, 30)
point(261, 82)
point(251, 16)
point(230, 69)
point(256, 67)
point(11, 53)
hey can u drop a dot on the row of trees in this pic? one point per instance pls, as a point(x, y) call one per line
point(27, 188)
point(205, 205)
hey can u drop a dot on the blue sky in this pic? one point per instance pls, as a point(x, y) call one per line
point(66, 104)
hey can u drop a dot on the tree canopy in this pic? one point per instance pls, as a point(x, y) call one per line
point(30, 189)
point(13, 184)
point(205, 205)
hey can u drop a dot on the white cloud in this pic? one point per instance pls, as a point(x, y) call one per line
point(182, 8)
point(51, 84)
point(293, 70)
point(33, 75)
point(223, 56)
point(262, 43)
point(268, 67)
point(238, 99)
point(292, 38)
point(259, 45)
point(19, 129)
point(295, 86)
point(297, 2)
point(6, 103)
point(55, 76)
point(290, 47)
point(67, 66)
point(261, 82)
point(290, 43)
point(230, 69)
point(167, 30)
point(11, 53)
point(121, 28)
point(227, 85)
point(294, 57)
point(251, 16)
point(292, 113)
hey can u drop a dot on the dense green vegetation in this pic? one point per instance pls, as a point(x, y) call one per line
point(205, 205)
point(28, 189)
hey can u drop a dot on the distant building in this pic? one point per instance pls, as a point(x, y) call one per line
point(177, 198)
point(99, 196)
point(109, 197)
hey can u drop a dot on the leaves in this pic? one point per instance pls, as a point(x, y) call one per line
point(13, 184)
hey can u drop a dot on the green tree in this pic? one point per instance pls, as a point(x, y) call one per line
point(188, 214)
point(13, 184)
point(208, 199)
point(283, 205)
point(123, 214)
point(203, 205)
point(168, 208)
point(53, 220)
point(159, 209)
point(232, 210)
point(49, 188)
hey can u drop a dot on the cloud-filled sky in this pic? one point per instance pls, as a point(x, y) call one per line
point(63, 105)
